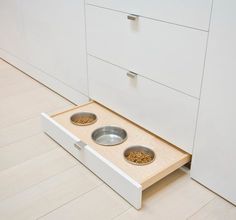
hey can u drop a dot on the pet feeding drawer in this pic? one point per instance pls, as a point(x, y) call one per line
point(111, 163)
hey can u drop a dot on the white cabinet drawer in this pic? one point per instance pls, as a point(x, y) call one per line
point(192, 13)
point(161, 110)
point(108, 163)
point(165, 53)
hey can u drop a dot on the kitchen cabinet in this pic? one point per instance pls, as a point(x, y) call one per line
point(46, 40)
point(145, 63)
point(140, 101)
point(214, 154)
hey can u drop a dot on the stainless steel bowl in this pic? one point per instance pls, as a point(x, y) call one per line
point(139, 149)
point(109, 135)
point(83, 118)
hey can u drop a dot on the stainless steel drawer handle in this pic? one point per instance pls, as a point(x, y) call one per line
point(132, 17)
point(132, 74)
point(79, 145)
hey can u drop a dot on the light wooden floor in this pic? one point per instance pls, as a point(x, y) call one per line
point(39, 180)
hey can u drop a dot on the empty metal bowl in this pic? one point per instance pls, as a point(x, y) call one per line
point(139, 155)
point(83, 118)
point(109, 135)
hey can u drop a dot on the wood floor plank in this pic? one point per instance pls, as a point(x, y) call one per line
point(31, 172)
point(27, 105)
point(217, 209)
point(174, 197)
point(10, 75)
point(102, 203)
point(26, 128)
point(49, 195)
point(19, 131)
point(21, 151)
point(11, 89)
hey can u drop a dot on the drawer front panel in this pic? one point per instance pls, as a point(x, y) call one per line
point(113, 176)
point(192, 13)
point(161, 110)
point(165, 53)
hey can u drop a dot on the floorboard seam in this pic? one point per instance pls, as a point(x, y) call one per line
point(26, 161)
point(33, 185)
point(188, 218)
point(121, 213)
point(21, 139)
point(66, 203)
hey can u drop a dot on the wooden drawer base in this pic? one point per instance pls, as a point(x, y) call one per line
point(108, 163)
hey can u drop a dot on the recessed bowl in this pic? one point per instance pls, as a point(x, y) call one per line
point(83, 118)
point(109, 135)
point(139, 155)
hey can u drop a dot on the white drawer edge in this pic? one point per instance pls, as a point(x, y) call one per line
point(115, 178)
point(128, 188)
point(47, 120)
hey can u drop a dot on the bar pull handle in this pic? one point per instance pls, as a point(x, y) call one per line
point(132, 17)
point(80, 145)
point(131, 74)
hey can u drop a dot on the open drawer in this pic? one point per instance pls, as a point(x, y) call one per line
point(108, 162)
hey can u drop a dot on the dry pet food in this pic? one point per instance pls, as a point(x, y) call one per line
point(83, 118)
point(139, 157)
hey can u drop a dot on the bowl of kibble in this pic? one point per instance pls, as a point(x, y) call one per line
point(83, 118)
point(139, 155)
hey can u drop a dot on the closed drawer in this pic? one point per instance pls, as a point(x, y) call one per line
point(169, 54)
point(108, 162)
point(161, 110)
point(192, 13)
